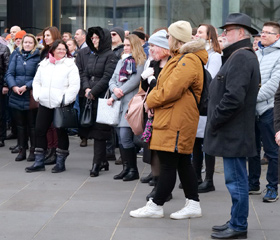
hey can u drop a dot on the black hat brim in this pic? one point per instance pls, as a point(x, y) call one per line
point(250, 29)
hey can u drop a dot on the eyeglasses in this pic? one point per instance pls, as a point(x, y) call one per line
point(113, 34)
point(268, 33)
point(167, 36)
point(227, 30)
point(61, 49)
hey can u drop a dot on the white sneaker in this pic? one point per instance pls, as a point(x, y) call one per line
point(151, 210)
point(191, 210)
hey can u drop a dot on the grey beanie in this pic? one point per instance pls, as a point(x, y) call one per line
point(159, 39)
point(119, 31)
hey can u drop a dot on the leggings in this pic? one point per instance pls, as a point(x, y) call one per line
point(170, 163)
point(43, 122)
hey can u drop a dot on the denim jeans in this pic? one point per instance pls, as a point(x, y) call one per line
point(237, 184)
point(125, 137)
point(265, 132)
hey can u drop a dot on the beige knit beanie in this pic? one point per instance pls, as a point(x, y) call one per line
point(181, 30)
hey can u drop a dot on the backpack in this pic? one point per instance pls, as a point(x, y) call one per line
point(207, 78)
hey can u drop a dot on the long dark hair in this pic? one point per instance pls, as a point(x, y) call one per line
point(212, 35)
point(55, 45)
point(55, 35)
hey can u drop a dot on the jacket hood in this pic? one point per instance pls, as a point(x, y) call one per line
point(105, 40)
point(273, 47)
point(193, 46)
point(196, 46)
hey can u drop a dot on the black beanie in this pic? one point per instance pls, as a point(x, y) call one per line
point(139, 34)
point(119, 31)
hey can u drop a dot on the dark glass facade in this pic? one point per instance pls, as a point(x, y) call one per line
point(70, 15)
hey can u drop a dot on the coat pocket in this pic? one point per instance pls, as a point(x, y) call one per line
point(163, 115)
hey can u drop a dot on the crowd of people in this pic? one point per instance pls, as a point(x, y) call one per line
point(38, 73)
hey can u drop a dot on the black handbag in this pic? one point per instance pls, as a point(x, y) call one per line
point(65, 116)
point(86, 117)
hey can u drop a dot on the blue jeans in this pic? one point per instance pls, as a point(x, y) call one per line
point(125, 137)
point(237, 184)
point(265, 132)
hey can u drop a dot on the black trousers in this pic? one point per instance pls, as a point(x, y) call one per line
point(170, 163)
point(2, 116)
point(43, 122)
point(25, 118)
point(82, 131)
point(198, 159)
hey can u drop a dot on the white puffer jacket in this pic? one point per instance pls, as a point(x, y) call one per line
point(52, 81)
point(269, 59)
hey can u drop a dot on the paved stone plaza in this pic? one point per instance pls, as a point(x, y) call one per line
point(73, 206)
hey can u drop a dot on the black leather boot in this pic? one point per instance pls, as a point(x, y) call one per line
point(206, 186)
point(51, 157)
point(104, 165)
point(61, 156)
point(94, 172)
point(133, 173)
point(38, 165)
point(21, 155)
point(125, 165)
point(22, 141)
point(147, 179)
point(31, 157)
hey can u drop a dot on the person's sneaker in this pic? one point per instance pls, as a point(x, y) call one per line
point(190, 210)
point(151, 210)
point(255, 191)
point(271, 195)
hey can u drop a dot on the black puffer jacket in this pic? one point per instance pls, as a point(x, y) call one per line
point(100, 68)
point(4, 62)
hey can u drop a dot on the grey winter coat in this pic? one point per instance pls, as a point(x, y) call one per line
point(129, 88)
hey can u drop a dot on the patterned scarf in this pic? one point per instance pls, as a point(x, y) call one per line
point(128, 68)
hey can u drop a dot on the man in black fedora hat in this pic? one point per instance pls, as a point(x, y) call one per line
point(230, 128)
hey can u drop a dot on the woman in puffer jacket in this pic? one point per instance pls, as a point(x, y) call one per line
point(100, 67)
point(20, 76)
point(57, 76)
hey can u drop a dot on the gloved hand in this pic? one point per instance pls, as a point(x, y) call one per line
point(147, 73)
point(151, 78)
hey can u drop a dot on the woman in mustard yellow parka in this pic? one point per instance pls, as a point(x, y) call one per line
point(175, 122)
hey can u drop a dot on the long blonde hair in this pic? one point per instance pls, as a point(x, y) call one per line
point(136, 49)
point(34, 39)
point(174, 45)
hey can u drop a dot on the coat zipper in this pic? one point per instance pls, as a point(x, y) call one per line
point(176, 144)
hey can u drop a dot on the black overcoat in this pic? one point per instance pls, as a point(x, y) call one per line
point(230, 127)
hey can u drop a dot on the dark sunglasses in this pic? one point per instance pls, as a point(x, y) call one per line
point(113, 34)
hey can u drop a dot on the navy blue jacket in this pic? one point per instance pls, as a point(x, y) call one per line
point(21, 72)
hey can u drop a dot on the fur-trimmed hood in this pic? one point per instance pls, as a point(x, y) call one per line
point(193, 46)
point(196, 46)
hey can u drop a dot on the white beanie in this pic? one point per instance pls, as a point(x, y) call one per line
point(159, 39)
point(181, 30)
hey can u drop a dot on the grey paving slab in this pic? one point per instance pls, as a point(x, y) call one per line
point(72, 205)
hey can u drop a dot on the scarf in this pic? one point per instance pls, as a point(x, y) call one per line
point(25, 54)
point(128, 68)
point(52, 59)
